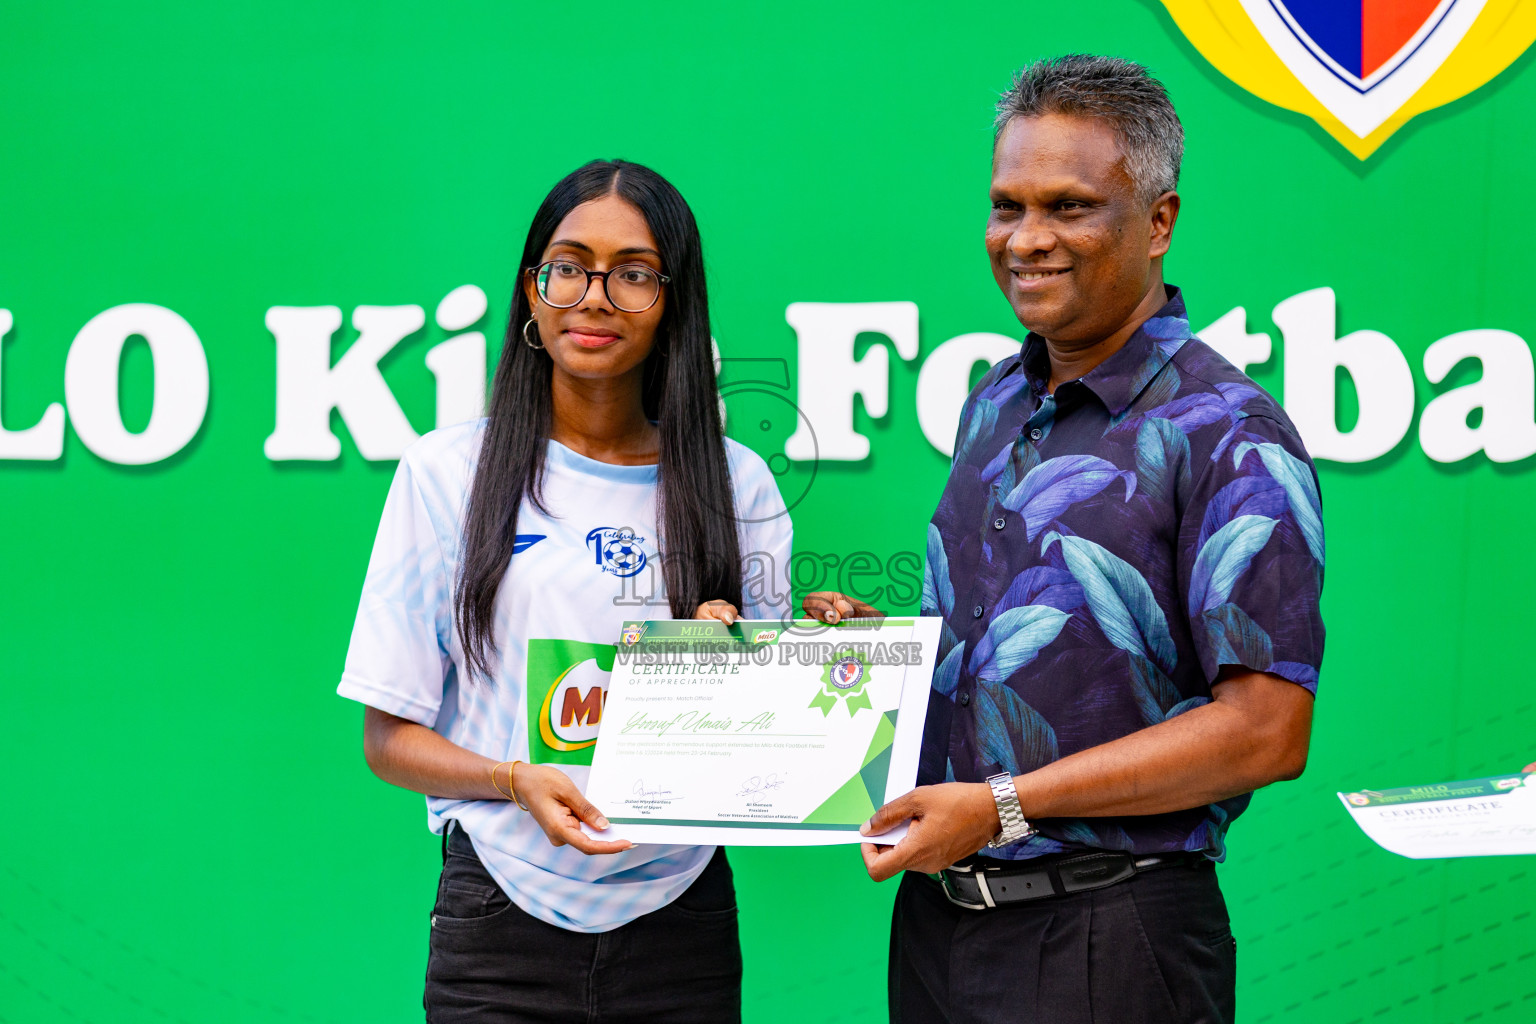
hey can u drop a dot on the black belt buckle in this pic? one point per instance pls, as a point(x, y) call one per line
point(950, 879)
point(951, 886)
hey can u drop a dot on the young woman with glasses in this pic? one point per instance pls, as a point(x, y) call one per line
point(510, 553)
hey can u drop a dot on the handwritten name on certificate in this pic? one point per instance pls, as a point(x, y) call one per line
point(760, 733)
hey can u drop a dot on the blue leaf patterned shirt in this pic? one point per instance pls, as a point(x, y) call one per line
point(1100, 553)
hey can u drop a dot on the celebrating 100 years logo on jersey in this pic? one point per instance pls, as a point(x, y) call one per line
point(617, 550)
point(1359, 68)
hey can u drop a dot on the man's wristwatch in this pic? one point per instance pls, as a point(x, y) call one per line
point(1015, 828)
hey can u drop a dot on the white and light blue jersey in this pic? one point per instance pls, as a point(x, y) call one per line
point(576, 574)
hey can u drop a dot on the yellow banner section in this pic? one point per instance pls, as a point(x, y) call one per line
point(1227, 36)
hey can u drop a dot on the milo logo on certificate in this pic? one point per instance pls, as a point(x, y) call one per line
point(566, 693)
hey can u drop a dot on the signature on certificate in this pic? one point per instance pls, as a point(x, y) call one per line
point(759, 784)
point(641, 791)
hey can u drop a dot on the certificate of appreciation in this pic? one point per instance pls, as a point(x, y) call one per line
point(760, 733)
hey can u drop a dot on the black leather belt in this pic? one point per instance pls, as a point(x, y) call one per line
point(984, 884)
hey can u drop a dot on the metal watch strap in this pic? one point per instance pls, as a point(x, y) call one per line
point(1009, 812)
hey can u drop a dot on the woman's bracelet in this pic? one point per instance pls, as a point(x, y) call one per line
point(497, 786)
point(512, 768)
point(511, 791)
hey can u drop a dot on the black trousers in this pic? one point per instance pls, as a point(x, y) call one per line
point(1154, 949)
point(490, 962)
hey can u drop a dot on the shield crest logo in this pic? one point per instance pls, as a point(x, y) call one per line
point(1359, 68)
point(847, 673)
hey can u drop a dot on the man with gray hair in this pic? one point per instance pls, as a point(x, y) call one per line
point(1128, 559)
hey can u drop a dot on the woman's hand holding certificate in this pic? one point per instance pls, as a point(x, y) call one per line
point(758, 733)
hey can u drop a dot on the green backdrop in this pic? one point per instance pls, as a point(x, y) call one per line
point(191, 834)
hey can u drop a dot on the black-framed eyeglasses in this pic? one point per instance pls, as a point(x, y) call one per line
point(632, 287)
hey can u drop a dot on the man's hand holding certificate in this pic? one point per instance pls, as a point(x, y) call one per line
point(760, 734)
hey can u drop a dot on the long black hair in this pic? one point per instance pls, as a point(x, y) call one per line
point(701, 560)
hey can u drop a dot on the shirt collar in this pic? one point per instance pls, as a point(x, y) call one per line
point(1118, 380)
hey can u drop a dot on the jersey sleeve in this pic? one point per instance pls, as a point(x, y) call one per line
point(1251, 557)
point(767, 539)
point(398, 658)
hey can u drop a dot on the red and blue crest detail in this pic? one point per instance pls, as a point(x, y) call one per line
point(1359, 68)
point(1363, 41)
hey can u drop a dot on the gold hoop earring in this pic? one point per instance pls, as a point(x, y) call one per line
point(527, 340)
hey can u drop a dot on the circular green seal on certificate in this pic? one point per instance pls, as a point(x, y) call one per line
point(844, 677)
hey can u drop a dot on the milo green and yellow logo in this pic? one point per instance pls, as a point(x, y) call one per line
point(567, 688)
point(845, 677)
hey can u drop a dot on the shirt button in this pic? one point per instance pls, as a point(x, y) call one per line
point(1035, 435)
point(976, 612)
point(965, 701)
point(999, 523)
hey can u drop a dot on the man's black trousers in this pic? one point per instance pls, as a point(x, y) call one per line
point(1156, 948)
